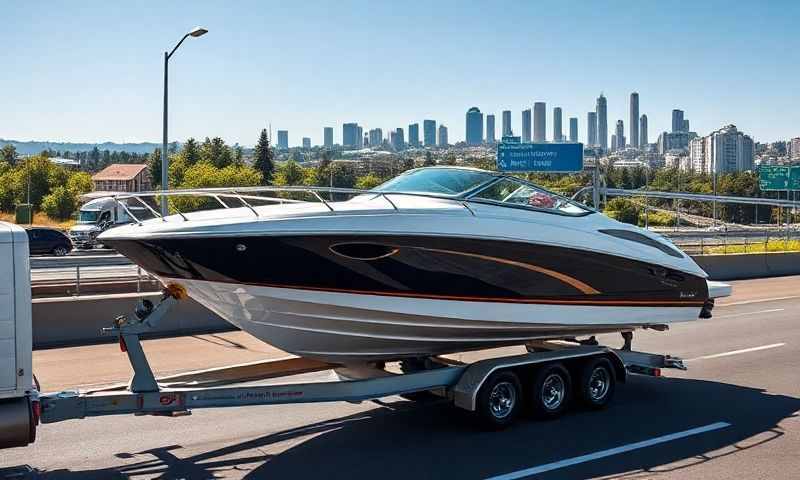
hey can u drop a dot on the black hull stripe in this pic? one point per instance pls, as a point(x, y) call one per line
point(535, 301)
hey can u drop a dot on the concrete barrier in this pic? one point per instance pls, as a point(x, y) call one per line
point(72, 320)
point(749, 265)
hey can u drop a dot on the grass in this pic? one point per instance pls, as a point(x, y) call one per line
point(774, 245)
point(40, 220)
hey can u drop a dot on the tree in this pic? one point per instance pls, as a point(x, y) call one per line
point(191, 152)
point(238, 156)
point(429, 161)
point(154, 167)
point(289, 173)
point(216, 152)
point(8, 154)
point(368, 181)
point(79, 183)
point(264, 158)
point(407, 163)
point(59, 203)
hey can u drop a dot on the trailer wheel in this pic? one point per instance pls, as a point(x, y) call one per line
point(551, 390)
point(597, 383)
point(498, 400)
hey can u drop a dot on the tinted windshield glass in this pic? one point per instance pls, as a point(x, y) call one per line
point(88, 216)
point(440, 181)
point(512, 192)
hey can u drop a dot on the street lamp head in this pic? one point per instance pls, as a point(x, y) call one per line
point(198, 32)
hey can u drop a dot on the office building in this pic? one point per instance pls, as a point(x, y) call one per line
point(573, 129)
point(558, 136)
point(613, 142)
point(283, 139)
point(327, 134)
point(359, 136)
point(429, 132)
point(350, 135)
point(591, 128)
point(526, 125)
point(677, 121)
point(375, 137)
point(794, 149)
point(728, 150)
point(443, 136)
point(507, 123)
point(474, 126)
point(673, 141)
point(685, 125)
point(634, 120)
point(413, 135)
point(539, 122)
point(620, 135)
point(643, 131)
point(399, 140)
point(490, 138)
point(307, 143)
point(602, 122)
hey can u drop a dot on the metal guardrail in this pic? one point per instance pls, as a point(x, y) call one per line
point(619, 192)
point(79, 280)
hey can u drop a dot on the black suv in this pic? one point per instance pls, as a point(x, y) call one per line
point(48, 240)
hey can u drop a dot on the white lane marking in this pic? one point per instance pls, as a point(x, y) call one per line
point(612, 451)
point(747, 302)
point(750, 313)
point(737, 352)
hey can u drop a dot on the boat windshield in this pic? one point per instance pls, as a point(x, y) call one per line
point(513, 192)
point(438, 181)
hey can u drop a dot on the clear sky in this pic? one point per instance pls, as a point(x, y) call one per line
point(92, 70)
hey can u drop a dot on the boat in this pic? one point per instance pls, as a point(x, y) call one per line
point(434, 261)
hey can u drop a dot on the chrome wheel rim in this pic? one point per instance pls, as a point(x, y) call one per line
point(61, 251)
point(553, 391)
point(599, 383)
point(502, 399)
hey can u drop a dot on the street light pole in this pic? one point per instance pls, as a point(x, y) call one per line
point(196, 32)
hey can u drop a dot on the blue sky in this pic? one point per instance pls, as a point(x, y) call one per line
point(92, 71)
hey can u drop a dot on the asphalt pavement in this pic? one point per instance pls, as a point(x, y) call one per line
point(734, 414)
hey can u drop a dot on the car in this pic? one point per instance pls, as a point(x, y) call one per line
point(48, 241)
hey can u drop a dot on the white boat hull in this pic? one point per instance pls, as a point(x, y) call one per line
point(347, 327)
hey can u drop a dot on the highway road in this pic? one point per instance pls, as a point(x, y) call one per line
point(734, 414)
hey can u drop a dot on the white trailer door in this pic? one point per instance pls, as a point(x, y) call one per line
point(8, 337)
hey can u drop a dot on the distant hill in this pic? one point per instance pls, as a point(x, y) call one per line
point(33, 147)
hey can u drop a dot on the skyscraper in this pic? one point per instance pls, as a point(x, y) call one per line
point(490, 138)
point(685, 127)
point(474, 126)
point(375, 137)
point(620, 135)
point(399, 140)
point(573, 129)
point(359, 136)
point(634, 120)
point(677, 121)
point(613, 142)
point(328, 136)
point(283, 139)
point(429, 132)
point(413, 135)
point(602, 122)
point(350, 136)
point(728, 150)
point(591, 128)
point(526, 125)
point(442, 136)
point(506, 123)
point(307, 142)
point(643, 132)
point(558, 136)
point(539, 122)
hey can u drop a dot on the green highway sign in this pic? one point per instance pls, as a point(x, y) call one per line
point(794, 178)
point(774, 177)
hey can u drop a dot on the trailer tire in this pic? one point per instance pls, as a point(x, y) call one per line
point(597, 383)
point(498, 402)
point(550, 391)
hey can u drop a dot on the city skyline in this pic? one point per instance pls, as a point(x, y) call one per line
point(241, 77)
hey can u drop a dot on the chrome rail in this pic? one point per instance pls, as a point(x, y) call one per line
point(243, 194)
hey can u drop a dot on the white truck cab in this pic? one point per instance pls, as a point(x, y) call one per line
point(94, 217)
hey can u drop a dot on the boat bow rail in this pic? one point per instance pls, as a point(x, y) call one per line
point(248, 196)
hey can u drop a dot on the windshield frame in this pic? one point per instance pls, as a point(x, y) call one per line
point(456, 196)
point(472, 197)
